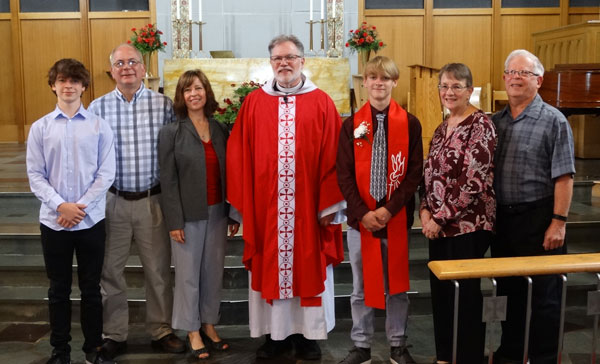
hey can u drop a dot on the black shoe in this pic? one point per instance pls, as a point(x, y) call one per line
point(306, 349)
point(111, 348)
point(98, 357)
point(358, 356)
point(400, 355)
point(59, 358)
point(169, 343)
point(220, 345)
point(197, 352)
point(272, 348)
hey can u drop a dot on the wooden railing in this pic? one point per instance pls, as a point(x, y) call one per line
point(518, 266)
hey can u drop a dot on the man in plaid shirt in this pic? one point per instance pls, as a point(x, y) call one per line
point(135, 114)
point(535, 164)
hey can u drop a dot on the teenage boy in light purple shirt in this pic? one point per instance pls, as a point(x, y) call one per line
point(71, 165)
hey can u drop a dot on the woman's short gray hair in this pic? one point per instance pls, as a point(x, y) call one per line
point(287, 38)
point(538, 67)
point(460, 71)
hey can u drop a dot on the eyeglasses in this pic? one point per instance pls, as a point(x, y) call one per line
point(288, 58)
point(131, 63)
point(522, 73)
point(454, 88)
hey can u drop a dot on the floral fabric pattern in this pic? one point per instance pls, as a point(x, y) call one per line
point(458, 178)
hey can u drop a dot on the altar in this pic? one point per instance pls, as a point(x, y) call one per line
point(331, 75)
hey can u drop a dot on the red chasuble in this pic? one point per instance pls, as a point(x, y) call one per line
point(397, 146)
point(280, 175)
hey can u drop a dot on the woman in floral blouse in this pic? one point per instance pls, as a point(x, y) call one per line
point(458, 210)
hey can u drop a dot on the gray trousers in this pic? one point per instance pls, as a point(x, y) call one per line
point(140, 221)
point(396, 306)
point(199, 264)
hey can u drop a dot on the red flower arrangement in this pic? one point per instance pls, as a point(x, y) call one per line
point(364, 39)
point(147, 39)
point(228, 114)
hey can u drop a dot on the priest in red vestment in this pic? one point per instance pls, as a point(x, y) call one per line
point(281, 178)
point(379, 167)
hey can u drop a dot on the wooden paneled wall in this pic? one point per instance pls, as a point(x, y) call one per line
point(480, 38)
point(45, 41)
point(37, 40)
point(9, 128)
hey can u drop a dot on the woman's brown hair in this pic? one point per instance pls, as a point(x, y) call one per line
point(185, 80)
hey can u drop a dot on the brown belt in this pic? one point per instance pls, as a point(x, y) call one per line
point(134, 196)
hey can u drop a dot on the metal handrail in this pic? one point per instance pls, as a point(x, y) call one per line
point(518, 266)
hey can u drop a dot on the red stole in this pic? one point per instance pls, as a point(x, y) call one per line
point(397, 146)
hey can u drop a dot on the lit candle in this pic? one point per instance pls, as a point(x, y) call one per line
point(322, 9)
point(190, 9)
point(333, 9)
point(311, 9)
point(200, 10)
point(178, 13)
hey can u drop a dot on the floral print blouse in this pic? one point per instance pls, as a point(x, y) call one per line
point(458, 175)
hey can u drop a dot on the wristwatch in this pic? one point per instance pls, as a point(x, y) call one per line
point(559, 217)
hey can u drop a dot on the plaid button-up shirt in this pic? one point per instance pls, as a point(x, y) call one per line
point(533, 150)
point(136, 125)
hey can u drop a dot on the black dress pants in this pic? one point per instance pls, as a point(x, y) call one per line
point(58, 248)
point(471, 329)
point(520, 232)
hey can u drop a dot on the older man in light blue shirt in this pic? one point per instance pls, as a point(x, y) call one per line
point(71, 165)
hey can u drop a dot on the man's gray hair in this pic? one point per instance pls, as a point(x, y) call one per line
point(538, 67)
point(112, 53)
point(286, 38)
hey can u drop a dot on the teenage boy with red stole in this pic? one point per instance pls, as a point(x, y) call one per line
point(379, 167)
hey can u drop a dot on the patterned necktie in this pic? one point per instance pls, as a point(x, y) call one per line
point(378, 161)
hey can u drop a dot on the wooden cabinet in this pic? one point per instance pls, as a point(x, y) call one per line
point(578, 43)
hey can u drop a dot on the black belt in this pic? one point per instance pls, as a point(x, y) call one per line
point(525, 206)
point(134, 196)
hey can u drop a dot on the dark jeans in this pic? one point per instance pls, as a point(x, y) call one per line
point(58, 248)
point(471, 329)
point(520, 232)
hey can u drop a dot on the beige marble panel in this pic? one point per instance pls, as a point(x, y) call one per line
point(329, 74)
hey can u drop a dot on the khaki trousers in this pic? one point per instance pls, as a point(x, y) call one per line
point(140, 221)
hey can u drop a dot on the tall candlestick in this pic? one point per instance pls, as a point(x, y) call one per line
point(323, 34)
point(178, 11)
point(311, 36)
point(178, 34)
point(311, 9)
point(190, 43)
point(200, 11)
point(333, 9)
point(190, 10)
point(200, 35)
point(322, 9)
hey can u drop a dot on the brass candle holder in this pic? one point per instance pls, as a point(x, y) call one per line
point(311, 51)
